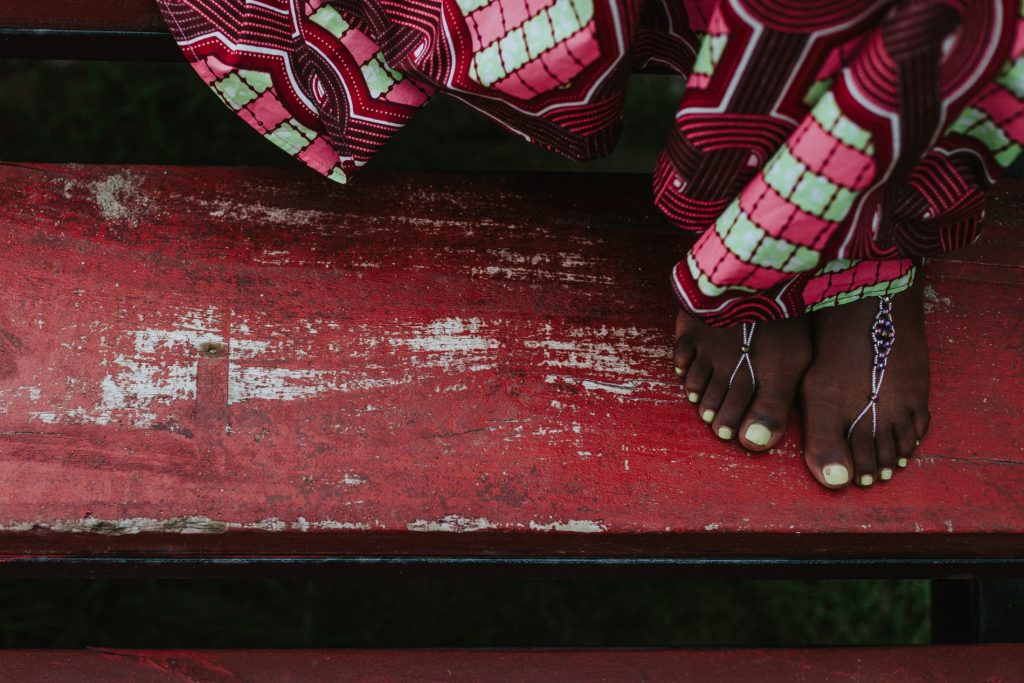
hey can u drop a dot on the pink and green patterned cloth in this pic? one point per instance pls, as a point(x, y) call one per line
point(821, 148)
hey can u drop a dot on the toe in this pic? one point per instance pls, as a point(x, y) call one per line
point(885, 448)
point(711, 400)
point(765, 420)
point(697, 377)
point(826, 451)
point(865, 460)
point(727, 421)
point(922, 420)
point(906, 441)
point(681, 320)
point(683, 354)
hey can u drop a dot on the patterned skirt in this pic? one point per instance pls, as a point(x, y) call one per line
point(821, 148)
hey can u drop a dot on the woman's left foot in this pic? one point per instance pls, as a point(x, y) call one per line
point(838, 388)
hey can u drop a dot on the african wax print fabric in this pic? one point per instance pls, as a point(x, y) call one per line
point(821, 149)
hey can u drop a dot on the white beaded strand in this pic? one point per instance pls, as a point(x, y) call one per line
point(748, 338)
point(883, 336)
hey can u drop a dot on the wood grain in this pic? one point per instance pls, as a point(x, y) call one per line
point(214, 361)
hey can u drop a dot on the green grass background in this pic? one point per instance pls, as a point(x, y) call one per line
point(162, 113)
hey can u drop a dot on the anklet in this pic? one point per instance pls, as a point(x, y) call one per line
point(883, 336)
point(748, 337)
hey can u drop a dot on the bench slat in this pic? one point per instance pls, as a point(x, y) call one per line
point(94, 15)
point(994, 663)
point(235, 362)
point(93, 30)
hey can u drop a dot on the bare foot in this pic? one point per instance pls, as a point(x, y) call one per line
point(753, 409)
point(837, 388)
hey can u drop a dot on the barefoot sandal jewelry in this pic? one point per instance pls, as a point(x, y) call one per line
point(748, 337)
point(883, 336)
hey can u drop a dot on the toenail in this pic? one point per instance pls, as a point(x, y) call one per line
point(679, 371)
point(836, 475)
point(902, 462)
point(693, 396)
point(758, 434)
point(866, 480)
point(885, 474)
point(724, 433)
point(708, 415)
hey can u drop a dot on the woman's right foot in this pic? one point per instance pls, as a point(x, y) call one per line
point(837, 388)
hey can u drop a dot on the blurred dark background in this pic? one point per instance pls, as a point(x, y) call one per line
point(121, 112)
point(99, 112)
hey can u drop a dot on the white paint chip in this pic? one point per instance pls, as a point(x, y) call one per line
point(187, 524)
point(577, 526)
point(453, 524)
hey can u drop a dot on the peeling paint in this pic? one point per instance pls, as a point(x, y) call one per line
point(578, 526)
point(159, 368)
point(8, 396)
point(301, 524)
point(247, 349)
point(256, 211)
point(187, 524)
point(119, 197)
point(285, 384)
point(621, 389)
point(561, 267)
point(619, 357)
point(155, 366)
point(455, 344)
point(190, 524)
point(452, 523)
point(932, 299)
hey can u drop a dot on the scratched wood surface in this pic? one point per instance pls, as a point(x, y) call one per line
point(212, 361)
point(95, 15)
point(992, 663)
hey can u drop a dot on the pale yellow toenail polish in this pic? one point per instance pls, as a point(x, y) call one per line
point(724, 433)
point(758, 434)
point(835, 475)
point(902, 462)
point(679, 371)
point(708, 416)
point(886, 473)
point(866, 480)
point(693, 396)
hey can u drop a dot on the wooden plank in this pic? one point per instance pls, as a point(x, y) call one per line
point(993, 663)
point(237, 362)
point(74, 15)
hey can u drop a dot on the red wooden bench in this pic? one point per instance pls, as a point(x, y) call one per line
point(994, 663)
point(232, 371)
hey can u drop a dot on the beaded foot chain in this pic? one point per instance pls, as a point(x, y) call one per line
point(883, 335)
point(748, 337)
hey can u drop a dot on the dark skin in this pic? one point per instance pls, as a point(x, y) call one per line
point(822, 364)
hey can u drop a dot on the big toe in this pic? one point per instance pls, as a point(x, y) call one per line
point(765, 421)
point(826, 450)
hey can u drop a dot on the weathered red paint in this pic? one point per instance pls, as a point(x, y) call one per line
point(214, 361)
point(97, 15)
point(932, 664)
